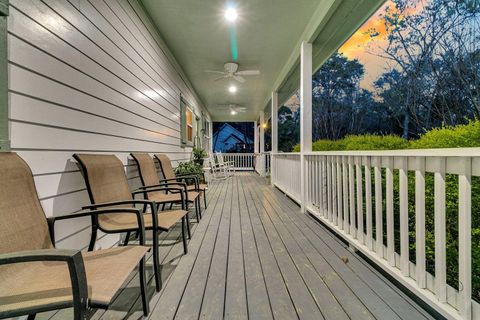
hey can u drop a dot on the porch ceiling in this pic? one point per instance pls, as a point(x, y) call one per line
point(268, 33)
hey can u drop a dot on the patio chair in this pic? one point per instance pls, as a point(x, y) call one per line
point(228, 165)
point(219, 171)
point(34, 276)
point(107, 187)
point(194, 190)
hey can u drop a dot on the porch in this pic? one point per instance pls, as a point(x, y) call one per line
point(254, 255)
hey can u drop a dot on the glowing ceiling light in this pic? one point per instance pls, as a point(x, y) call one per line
point(231, 14)
point(264, 126)
point(233, 112)
point(232, 89)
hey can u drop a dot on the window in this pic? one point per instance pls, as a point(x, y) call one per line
point(189, 120)
point(187, 124)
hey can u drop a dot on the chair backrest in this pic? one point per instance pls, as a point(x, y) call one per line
point(219, 158)
point(147, 170)
point(165, 165)
point(105, 177)
point(23, 224)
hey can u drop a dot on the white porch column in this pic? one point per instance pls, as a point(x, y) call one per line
point(210, 132)
point(305, 112)
point(262, 143)
point(255, 137)
point(274, 132)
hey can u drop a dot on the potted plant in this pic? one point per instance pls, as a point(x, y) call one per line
point(198, 155)
point(190, 168)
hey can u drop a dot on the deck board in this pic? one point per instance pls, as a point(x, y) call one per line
point(254, 255)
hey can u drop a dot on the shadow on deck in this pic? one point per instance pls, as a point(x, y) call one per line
point(255, 256)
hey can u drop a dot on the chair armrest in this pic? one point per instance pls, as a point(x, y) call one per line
point(185, 177)
point(76, 269)
point(183, 192)
point(86, 213)
point(151, 204)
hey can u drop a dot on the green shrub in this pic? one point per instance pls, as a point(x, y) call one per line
point(189, 167)
point(374, 142)
point(460, 136)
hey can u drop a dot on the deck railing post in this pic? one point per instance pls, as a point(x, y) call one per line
point(274, 128)
point(262, 143)
point(305, 113)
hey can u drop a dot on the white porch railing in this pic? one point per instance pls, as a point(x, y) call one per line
point(364, 198)
point(262, 163)
point(242, 161)
point(286, 173)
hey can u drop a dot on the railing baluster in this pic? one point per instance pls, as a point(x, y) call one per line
point(404, 252)
point(351, 184)
point(329, 189)
point(346, 225)
point(368, 201)
point(378, 207)
point(334, 191)
point(358, 165)
point(465, 239)
point(390, 225)
point(339, 192)
point(440, 230)
point(420, 221)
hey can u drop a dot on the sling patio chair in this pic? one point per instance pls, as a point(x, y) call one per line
point(34, 276)
point(149, 177)
point(195, 188)
point(107, 187)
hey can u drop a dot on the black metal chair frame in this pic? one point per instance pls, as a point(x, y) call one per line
point(76, 267)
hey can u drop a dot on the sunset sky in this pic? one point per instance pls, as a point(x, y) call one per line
point(360, 45)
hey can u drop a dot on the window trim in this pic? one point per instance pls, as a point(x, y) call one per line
point(4, 130)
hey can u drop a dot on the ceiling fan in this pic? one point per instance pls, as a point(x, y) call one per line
point(231, 71)
point(233, 108)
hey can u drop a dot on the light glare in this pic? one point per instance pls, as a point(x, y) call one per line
point(232, 89)
point(231, 14)
point(233, 112)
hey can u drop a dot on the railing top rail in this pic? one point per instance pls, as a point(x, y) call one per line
point(450, 152)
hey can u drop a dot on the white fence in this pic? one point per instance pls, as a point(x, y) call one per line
point(374, 199)
point(242, 161)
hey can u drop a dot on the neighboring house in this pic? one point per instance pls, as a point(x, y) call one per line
point(229, 139)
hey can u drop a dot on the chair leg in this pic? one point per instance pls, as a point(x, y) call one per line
point(205, 198)
point(31, 316)
point(196, 210)
point(163, 206)
point(199, 207)
point(143, 288)
point(156, 263)
point(127, 237)
point(171, 205)
point(188, 227)
point(93, 238)
point(185, 249)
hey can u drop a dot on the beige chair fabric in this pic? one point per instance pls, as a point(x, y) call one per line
point(24, 227)
point(107, 182)
point(149, 176)
point(39, 283)
point(169, 173)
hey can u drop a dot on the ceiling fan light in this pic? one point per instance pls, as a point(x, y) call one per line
point(231, 14)
point(233, 112)
point(232, 89)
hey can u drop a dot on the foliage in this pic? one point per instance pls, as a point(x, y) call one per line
point(460, 136)
point(374, 142)
point(199, 154)
point(189, 167)
point(430, 52)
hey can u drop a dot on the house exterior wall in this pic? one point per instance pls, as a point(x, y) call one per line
point(89, 76)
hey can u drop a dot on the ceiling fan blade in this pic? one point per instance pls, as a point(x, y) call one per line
point(248, 73)
point(214, 71)
point(220, 78)
point(239, 79)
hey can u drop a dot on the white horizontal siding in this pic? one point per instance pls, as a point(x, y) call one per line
point(89, 76)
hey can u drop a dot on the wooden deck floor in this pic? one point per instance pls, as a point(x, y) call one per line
point(255, 256)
